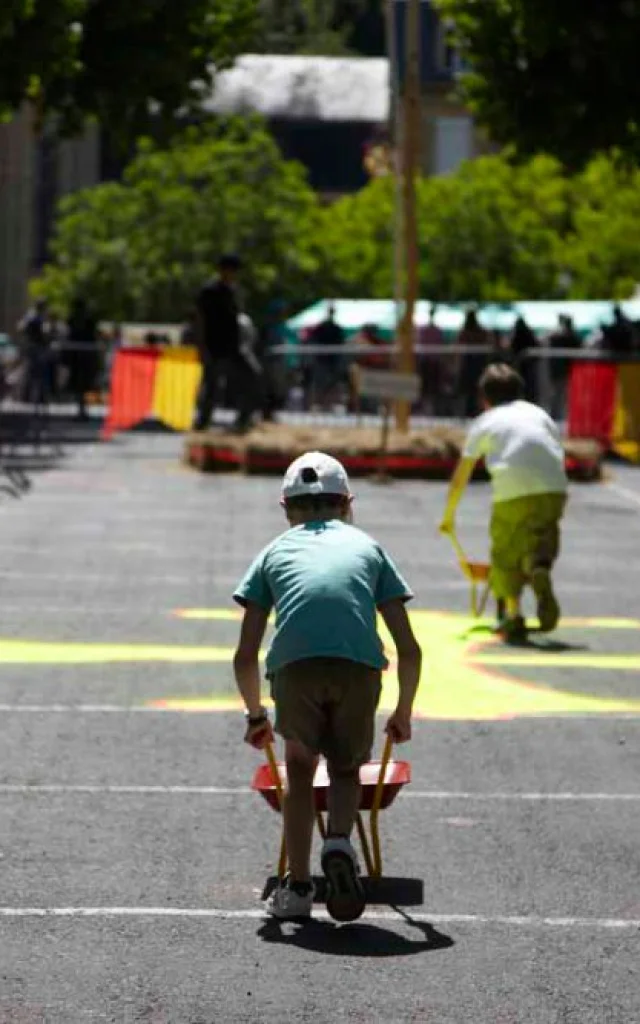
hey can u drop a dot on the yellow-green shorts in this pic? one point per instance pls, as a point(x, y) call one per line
point(525, 534)
point(329, 705)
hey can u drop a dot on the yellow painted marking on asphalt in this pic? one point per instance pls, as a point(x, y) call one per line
point(563, 659)
point(601, 623)
point(462, 680)
point(457, 685)
point(199, 705)
point(29, 652)
point(208, 614)
point(464, 677)
point(231, 615)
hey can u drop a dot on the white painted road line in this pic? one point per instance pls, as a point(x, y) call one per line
point(625, 493)
point(60, 789)
point(52, 789)
point(187, 712)
point(214, 913)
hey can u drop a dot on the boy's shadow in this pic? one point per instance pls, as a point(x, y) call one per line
point(536, 641)
point(366, 940)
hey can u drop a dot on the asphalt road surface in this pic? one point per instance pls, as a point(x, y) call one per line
point(133, 853)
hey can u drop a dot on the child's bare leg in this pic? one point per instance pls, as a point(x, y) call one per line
point(344, 800)
point(298, 809)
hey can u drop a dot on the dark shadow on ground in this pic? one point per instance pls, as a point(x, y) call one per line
point(359, 939)
point(388, 891)
point(536, 641)
point(553, 646)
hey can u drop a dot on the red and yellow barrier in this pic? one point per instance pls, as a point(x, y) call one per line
point(153, 382)
point(604, 405)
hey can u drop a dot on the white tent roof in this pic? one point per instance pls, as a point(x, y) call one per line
point(342, 89)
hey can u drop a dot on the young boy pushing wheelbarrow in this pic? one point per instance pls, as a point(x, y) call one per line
point(524, 455)
point(326, 579)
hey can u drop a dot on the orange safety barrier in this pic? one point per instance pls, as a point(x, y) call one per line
point(132, 386)
point(625, 436)
point(153, 382)
point(604, 405)
point(592, 401)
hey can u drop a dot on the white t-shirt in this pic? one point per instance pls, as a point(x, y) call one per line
point(522, 449)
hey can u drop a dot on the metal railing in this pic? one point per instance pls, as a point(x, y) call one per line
point(316, 380)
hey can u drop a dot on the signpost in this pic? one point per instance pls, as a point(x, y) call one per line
point(389, 387)
point(407, 167)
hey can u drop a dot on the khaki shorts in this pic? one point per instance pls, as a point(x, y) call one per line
point(329, 705)
point(525, 533)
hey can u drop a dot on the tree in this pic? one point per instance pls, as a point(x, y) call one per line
point(115, 60)
point(314, 27)
point(601, 253)
point(142, 249)
point(551, 77)
point(356, 243)
point(490, 232)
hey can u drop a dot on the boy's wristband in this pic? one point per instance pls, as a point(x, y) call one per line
point(259, 719)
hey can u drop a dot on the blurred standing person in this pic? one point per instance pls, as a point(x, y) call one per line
point(219, 342)
point(377, 356)
point(521, 342)
point(564, 337)
point(432, 368)
point(81, 354)
point(620, 335)
point(188, 334)
point(328, 370)
point(275, 367)
point(37, 333)
point(472, 364)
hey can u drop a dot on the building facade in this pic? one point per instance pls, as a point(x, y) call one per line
point(325, 112)
point(35, 172)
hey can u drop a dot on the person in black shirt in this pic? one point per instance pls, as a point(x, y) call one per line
point(564, 337)
point(37, 333)
point(81, 353)
point(328, 369)
point(521, 343)
point(218, 338)
point(619, 336)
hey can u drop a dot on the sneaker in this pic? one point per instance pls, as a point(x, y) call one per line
point(345, 894)
point(290, 904)
point(548, 607)
point(514, 631)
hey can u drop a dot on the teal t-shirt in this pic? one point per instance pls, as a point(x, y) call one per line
point(325, 581)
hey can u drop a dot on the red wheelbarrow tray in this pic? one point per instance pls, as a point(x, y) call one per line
point(397, 775)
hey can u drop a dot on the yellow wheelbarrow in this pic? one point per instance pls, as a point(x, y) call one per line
point(381, 782)
point(479, 576)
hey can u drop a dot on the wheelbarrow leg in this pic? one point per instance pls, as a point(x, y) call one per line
point(375, 810)
point(277, 781)
point(364, 843)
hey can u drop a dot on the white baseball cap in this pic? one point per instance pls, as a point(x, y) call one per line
point(315, 473)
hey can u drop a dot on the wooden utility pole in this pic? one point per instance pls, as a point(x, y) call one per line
point(410, 164)
point(396, 136)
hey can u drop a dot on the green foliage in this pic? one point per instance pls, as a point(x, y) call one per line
point(142, 249)
point(552, 77)
point(489, 232)
point(115, 60)
point(356, 243)
point(492, 231)
point(314, 27)
point(602, 251)
point(495, 231)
